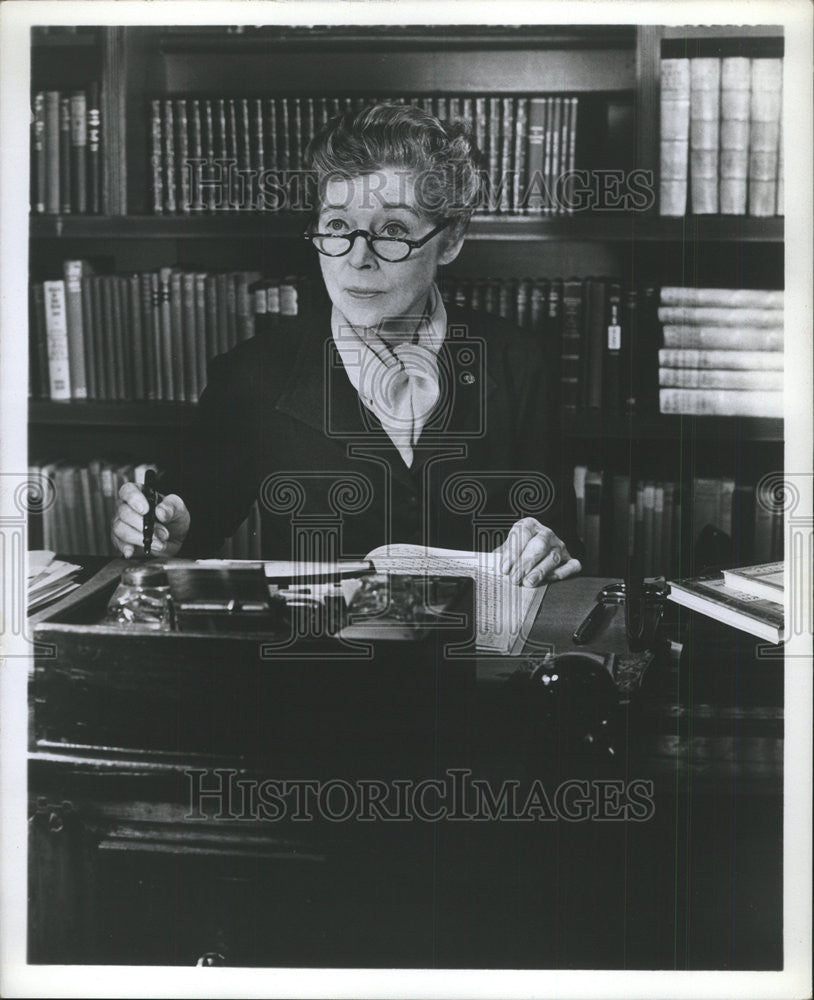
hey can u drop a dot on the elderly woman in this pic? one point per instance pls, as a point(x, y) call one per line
point(385, 416)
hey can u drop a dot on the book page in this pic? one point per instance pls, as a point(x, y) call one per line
point(504, 611)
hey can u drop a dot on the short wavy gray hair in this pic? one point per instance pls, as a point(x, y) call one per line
point(440, 155)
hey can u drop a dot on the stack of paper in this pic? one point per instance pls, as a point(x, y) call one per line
point(48, 578)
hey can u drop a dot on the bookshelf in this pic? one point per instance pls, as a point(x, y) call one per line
point(613, 70)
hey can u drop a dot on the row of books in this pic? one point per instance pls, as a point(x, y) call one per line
point(656, 521)
point(246, 153)
point(723, 351)
point(602, 334)
point(66, 152)
point(721, 129)
point(147, 335)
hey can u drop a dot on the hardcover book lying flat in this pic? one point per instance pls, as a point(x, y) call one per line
point(709, 595)
point(765, 580)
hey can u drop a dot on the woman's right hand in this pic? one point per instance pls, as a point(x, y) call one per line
point(127, 529)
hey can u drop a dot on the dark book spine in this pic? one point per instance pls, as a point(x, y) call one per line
point(482, 143)
point(168, 362)
point(535, 183)
point(231, 311)
point(189, 337)
point(507, 297)
point(648, 356)
point(169, 158)
point(211, 327)
point(259, 155)
point(284, 134)
point(94, 162)
point(38, 161)
point(523, 303)
point(612, 361)
point(40, 338)
point(156, 157)
point(309, 124)
point(72, 273)
point(554, 172)
point(52, 199)
point(272, 147)
point(296, 134)
point(149, 336)
point(222, 200)
point(79, 147)
point(65, 154)
point(196, 156)
point(101, 343)
point(572, 147)
point(110, 358)
point(160, 353)
point(572, 336)
point(223, 282)
point(123, 338)
point(322, 112)
point(594, 343)
point(138, 351)
point(630, 347)
point(179, 361)
point(200, 331)
point(538, 305)
point(562, 166)
point(548, 146)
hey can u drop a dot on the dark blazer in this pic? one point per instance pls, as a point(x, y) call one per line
point(280, 421)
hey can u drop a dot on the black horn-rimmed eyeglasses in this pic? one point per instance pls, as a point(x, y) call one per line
point(386, 248)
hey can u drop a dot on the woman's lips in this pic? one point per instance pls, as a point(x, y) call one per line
point(362, 293)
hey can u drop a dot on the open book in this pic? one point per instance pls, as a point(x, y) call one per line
point(504, 612)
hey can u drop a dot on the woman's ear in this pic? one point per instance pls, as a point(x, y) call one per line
point(452, 249)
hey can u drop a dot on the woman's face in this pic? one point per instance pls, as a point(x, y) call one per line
point(368, 291)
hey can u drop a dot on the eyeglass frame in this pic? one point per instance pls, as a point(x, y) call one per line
point(370, 237)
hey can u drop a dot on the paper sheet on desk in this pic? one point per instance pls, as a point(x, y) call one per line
point(504, 612)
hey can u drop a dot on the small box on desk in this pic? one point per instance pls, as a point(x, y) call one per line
point(278, 697)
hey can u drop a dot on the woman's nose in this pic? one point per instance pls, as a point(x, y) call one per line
point(360, 253)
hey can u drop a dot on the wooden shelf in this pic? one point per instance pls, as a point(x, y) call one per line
point(609, 227)
point(595, 425)
point(584, 425)
point(44, 413)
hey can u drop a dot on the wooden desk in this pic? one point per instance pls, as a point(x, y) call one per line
point(125, 870)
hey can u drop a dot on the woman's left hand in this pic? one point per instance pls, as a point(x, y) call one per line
point(532, 554)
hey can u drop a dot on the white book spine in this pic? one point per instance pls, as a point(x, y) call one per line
point(675, 129)
point(721, 402)
point(56, 325)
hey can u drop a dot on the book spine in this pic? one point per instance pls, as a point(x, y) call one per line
point(712, 378)
point(593, 511)
point(721, 402)
point(560, 191)
point(722, 297)
point(209, 196)
point(156, 158)
point(572, 151)
point(520, 166)
point(538, 306)
point(507, 148)
point(554, 171)
point(630, 400)
point(196, 164)
point(494, 154)
point(674, 140)
point(780, 182)
point(536, 139)
point(764, 134)
point(548, 194)
point(138, 352)
point(122, 338)
point(522, 304)
point(284, 134)
point(235, 199)
point(170, 386)
point(40, 336)
point(572, 339)
point(647, 351)
point(720, 316)
point(189, 336)
point(52, 199)
point(200, 331)
point(612, 401)
point(79, 145)
point(72, 273)
point(56, 324)
point(149, 336)
point(705, 117)
point(159, 364)
point(65, 154)
point(179, 360)
point(231, 312)
point(169, 158)
point(222, 282)
point(482, 142)
point(182, 133)
point(259, 155)
point(296, 133)
point(98, 331)
point(722, 338)
point(108, 337)
point(211, 326)
point(734, 151)
point(94, 160)
point(594, 342)
point(38, 159)
point(735, 360)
